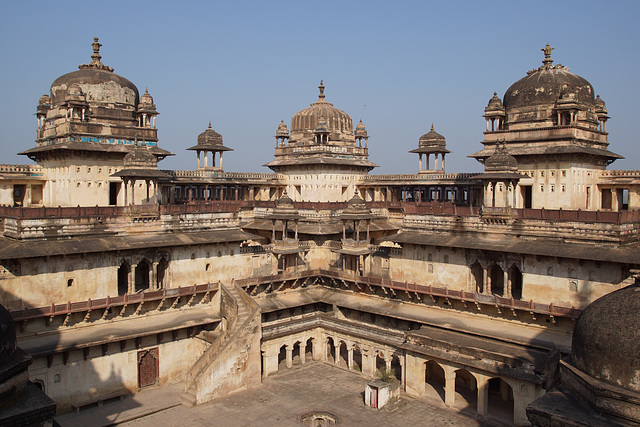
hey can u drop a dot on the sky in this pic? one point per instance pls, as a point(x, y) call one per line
point(245, 65)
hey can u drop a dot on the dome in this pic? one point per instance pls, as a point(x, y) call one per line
point(44, 100)
point(335, 119)
point(282, 129)
point(432, 139)
point(140, 158)
point(361, 131)
point(98, 82)
point(545, 85)
point(606, 339)
point(494, 107)
point(209, 137)
point(600, 105)
point(7, 336)
point(501, 161)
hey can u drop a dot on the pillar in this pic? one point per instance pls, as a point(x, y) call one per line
point(289, 358)
point(198, 154)
point(221, 160)
point(483, 395)
point(449, 386)
point(485, 282)
point(506, 289)
point(420, 163)
point(269, 361)
point(350, 358)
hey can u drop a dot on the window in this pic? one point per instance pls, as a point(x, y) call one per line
point(69, 283)
point(207, 267)
point(564, 174)
point(552, 174)
point(553, 188)
point(563, 188)
point(541, 188)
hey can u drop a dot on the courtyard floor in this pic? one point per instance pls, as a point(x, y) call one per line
point(281, 400)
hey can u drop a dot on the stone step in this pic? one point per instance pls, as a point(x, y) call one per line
point(188, 398)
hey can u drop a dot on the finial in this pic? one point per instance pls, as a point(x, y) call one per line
point(431, 126)
point(146, 91)
point(321, 87)
point(547, 55)
point(96, 49)
point(209, 124)
point(495, 93)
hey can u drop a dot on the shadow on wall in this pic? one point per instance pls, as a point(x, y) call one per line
point(68, 371)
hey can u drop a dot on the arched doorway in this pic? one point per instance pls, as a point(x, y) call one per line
point(142, 276)
point(357, 358)
point(161, 271)
point(123, 278)
point(308, 350)
point(330, 350)
point(295, 354)
point(282, 357)
point(516, 282)
point(343, 355)
point(434, 380)
point(396, 368)
point(500, 404)
point(381, 365)
point(477, 277)
point(466, 390)
point(148, 364)
point(497, 280)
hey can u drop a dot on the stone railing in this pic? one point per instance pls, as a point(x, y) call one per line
point(28, 169)
point(620, 173)
point(420, 177)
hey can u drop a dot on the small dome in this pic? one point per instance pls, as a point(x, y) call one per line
point(44, 100)
point(361, 131)
point(146, 98)
point(356, 202)
point(140, 157)
point(335, 119)
point(209, 137)
point(544, 85)
point(495, 106)
point(98, 82)
point(501, 161)
point(284, 201)
point(606, 339)
point(7, 336)
point(432, 139)
point(282, 129)
point(600, 105)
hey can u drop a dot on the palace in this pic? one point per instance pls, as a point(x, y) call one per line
point(121, 276)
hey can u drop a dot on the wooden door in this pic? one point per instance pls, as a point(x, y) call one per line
point(148, 367)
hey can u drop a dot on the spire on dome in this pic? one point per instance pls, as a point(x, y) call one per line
point(321, 87)
point(547, 55)
point(95, 58)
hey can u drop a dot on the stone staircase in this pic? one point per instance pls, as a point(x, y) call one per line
point(231, 359)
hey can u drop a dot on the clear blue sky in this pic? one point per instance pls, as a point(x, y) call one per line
point(399, 66)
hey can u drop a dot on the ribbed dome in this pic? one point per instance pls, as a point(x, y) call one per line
point(545, 85)
point(432, 139)
point(335, 119)
point(600, 105)
point(606, 341)
point(98, 82)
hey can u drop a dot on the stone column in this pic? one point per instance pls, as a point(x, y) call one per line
point(221, 160)
point(420, 163)
point(483, 395)
point(289, 360)
point(269, 361)
point(198, 154)
point(350, 358)
point(303, 350)
point(449, 386)
point(485, 281)
point(506, 289)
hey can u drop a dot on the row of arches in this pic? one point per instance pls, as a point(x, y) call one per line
point(464, 390)
point(137, 278)
point(496, 281)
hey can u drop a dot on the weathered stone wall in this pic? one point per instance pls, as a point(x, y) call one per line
point(79, 380)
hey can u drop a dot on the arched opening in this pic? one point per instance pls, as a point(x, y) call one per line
point(500, 404)
point(357, 358)
point(497, 280)
point(330, 350)
point(381, 365)
point(466, 390)
point(477, 277)
point(434, 380)
point(516, 282)
point(344, 355)
point(142, 276)
point(308, 350)
point(282, 357)
point(396, 368)
point(123, 278)
point(295, 354)
point(161, 271)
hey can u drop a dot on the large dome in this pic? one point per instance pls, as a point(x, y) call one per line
point(546, 85)
point(606, 341)
point(98, 83)
point(308, 119)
